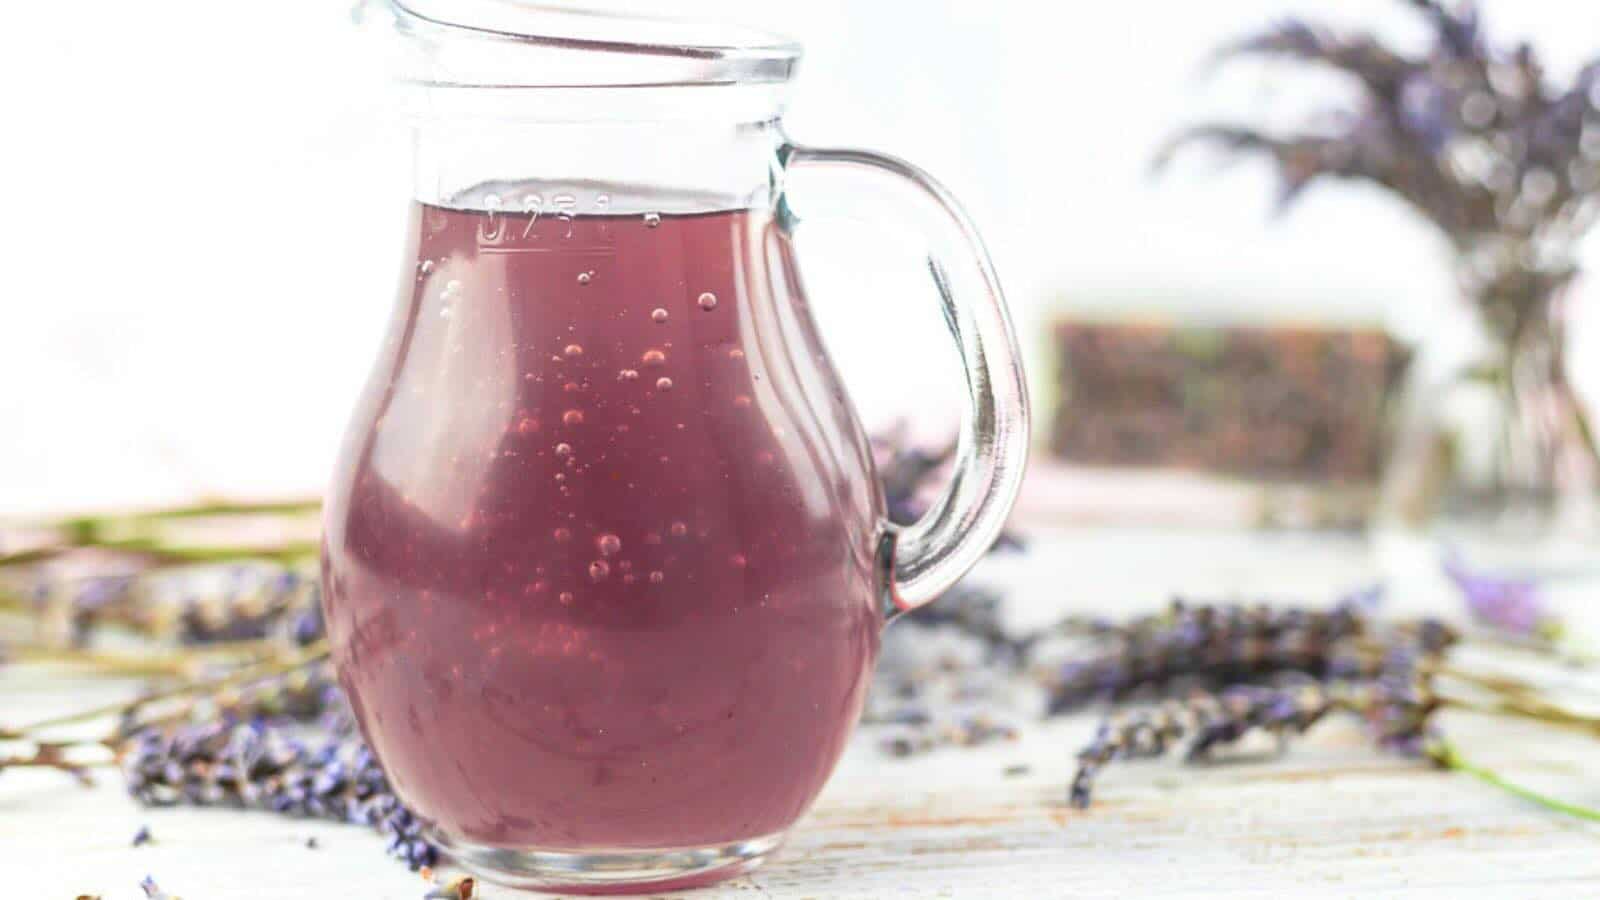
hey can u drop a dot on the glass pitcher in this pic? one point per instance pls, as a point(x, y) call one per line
point(606, 560)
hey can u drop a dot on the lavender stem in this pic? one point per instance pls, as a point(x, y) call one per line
point(312, 654)
point(1446, 755)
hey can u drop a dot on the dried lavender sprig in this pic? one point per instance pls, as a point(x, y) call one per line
point(287, 598)
point(1214, 644)
point(305, 694)
point(255, 765)
point(187, 607)
point(1398, 709)
point(1205, 720)
point(1398, 713)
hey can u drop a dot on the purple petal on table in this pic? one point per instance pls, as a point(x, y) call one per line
point(1510, 604)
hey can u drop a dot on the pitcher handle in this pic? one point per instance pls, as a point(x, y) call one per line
point(992, 449)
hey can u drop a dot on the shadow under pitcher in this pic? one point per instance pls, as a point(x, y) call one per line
point(606, 560)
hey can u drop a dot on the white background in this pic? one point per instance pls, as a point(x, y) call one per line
point(203, 210)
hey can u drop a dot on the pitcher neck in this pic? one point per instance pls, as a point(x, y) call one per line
point(600, 164)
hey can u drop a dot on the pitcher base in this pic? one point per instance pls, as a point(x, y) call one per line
point(610, 871)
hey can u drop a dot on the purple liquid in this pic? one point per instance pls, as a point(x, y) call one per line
point(603, 546)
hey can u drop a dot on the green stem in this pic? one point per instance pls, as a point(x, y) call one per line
point(104, 530)
point(23, 557)
point(1544, 714)
point(179, 663)
point(89, 526)
point(292, 552)
point(1447, 755)
point(1506, 685)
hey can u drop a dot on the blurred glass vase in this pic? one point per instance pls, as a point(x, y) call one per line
point(1504, 445)
point(1505, 164)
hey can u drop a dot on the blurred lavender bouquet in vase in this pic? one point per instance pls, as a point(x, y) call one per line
point(1478, 140)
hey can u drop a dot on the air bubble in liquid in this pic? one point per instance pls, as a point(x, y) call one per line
point(563, 449)
point(657, 577)
point(627, 375)
point(658, 315)
point(707, 301)
point(663, 384)
point(608, 544)
point(653, 358)
point(585, 277)
point(572, 417)
point(573, 350)
point(599, 569)
point(652, 220)
point(563, 535)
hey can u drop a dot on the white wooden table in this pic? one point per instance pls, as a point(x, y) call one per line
point(1332, 818)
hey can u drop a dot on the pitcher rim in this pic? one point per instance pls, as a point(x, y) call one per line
point(542, 45)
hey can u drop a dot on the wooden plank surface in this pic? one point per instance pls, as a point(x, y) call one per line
point(1331, 818)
